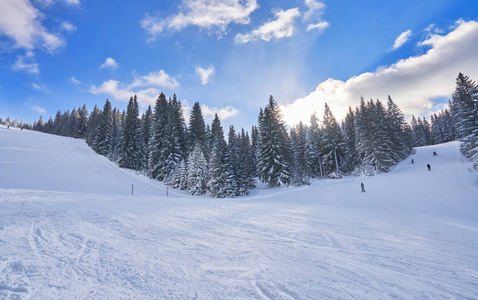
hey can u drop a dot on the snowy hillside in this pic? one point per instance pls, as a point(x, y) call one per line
point(69, 228)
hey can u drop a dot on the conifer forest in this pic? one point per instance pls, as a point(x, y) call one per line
point(205, 159)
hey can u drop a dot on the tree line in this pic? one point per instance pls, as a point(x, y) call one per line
point(200, 158)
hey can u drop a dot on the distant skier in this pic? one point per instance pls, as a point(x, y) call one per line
point(412, 161)
point(434, 153)
point(429, 167)
point(363, 187)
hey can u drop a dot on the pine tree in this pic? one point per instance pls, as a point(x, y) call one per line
point(395, 127)
point(314, 148)
point(197, 130)
point(93, 122)
point(131, 142)
point(348, 129)
point(104, 131)
point(146, 125)
point(298, 137)
point(233, 180)
point(274, 153)
point(334, 146)
point(197, 172)
point(217, 164)
point(159, 145)
point(247, 157)
point(465, 106)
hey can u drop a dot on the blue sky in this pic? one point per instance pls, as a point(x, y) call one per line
point(230, 55)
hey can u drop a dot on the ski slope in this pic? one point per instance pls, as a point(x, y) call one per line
point(70, 228)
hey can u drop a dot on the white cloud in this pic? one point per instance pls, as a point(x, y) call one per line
point(39, 87)
point(223, 113)
point(67, 26)
point(282, 26)
point(205, 14)
point(413, 83)
point(20, 21)
point(147, 93)
point(72, 2)
point(314, 7)
point(21, 65)
point(74, 80)
point(109, 63)
point(39, 109)
point(401, 39)
point(50, 2)
point(205, 73)
point(319, 26)
point(159, 78)
point(209, 112)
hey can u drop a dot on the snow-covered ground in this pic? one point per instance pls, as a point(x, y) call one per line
point(69, 229)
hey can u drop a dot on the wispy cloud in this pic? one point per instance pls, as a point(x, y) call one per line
point(282, 26)
point(413, 83)
point(211, 15)
point(68, 27)
point(401, 40)
point(74, 80)
point(27, 66)
point(319, 26)
point(39, 109)
point(40, 87)
point(205, 73)
point(159, 78)
point(109, 63)
point(146, 87)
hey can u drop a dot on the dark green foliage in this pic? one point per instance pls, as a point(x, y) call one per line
point(274, 152)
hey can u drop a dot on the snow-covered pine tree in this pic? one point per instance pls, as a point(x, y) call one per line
point(197, 171)
point(197, 130)
point(39, 126)
point(131, 142)
point(104, 131)
point(217, 165)
point(159, 144)
point(436, 130)
point(176, 137)
point(274, 153)
point(448, 126)
point(465, 109)
point(246, 156)
point(395, 127)
point(146, 128)
point(298, 137)
point(348, 129)
point(91, 126)
point(384, 155)
point(179, 179)
point(333, 145)
point(465, 106)
point(117, 131)
point(374, 145)
point(81, 123)
point(314, 148)
point(233, 180)
point(254, 147)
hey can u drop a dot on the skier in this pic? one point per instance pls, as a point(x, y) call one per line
point(363, 187)
point(412, 161)
point(429, 167)
point(434, 153)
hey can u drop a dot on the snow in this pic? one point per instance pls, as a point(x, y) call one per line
point(70, 228)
